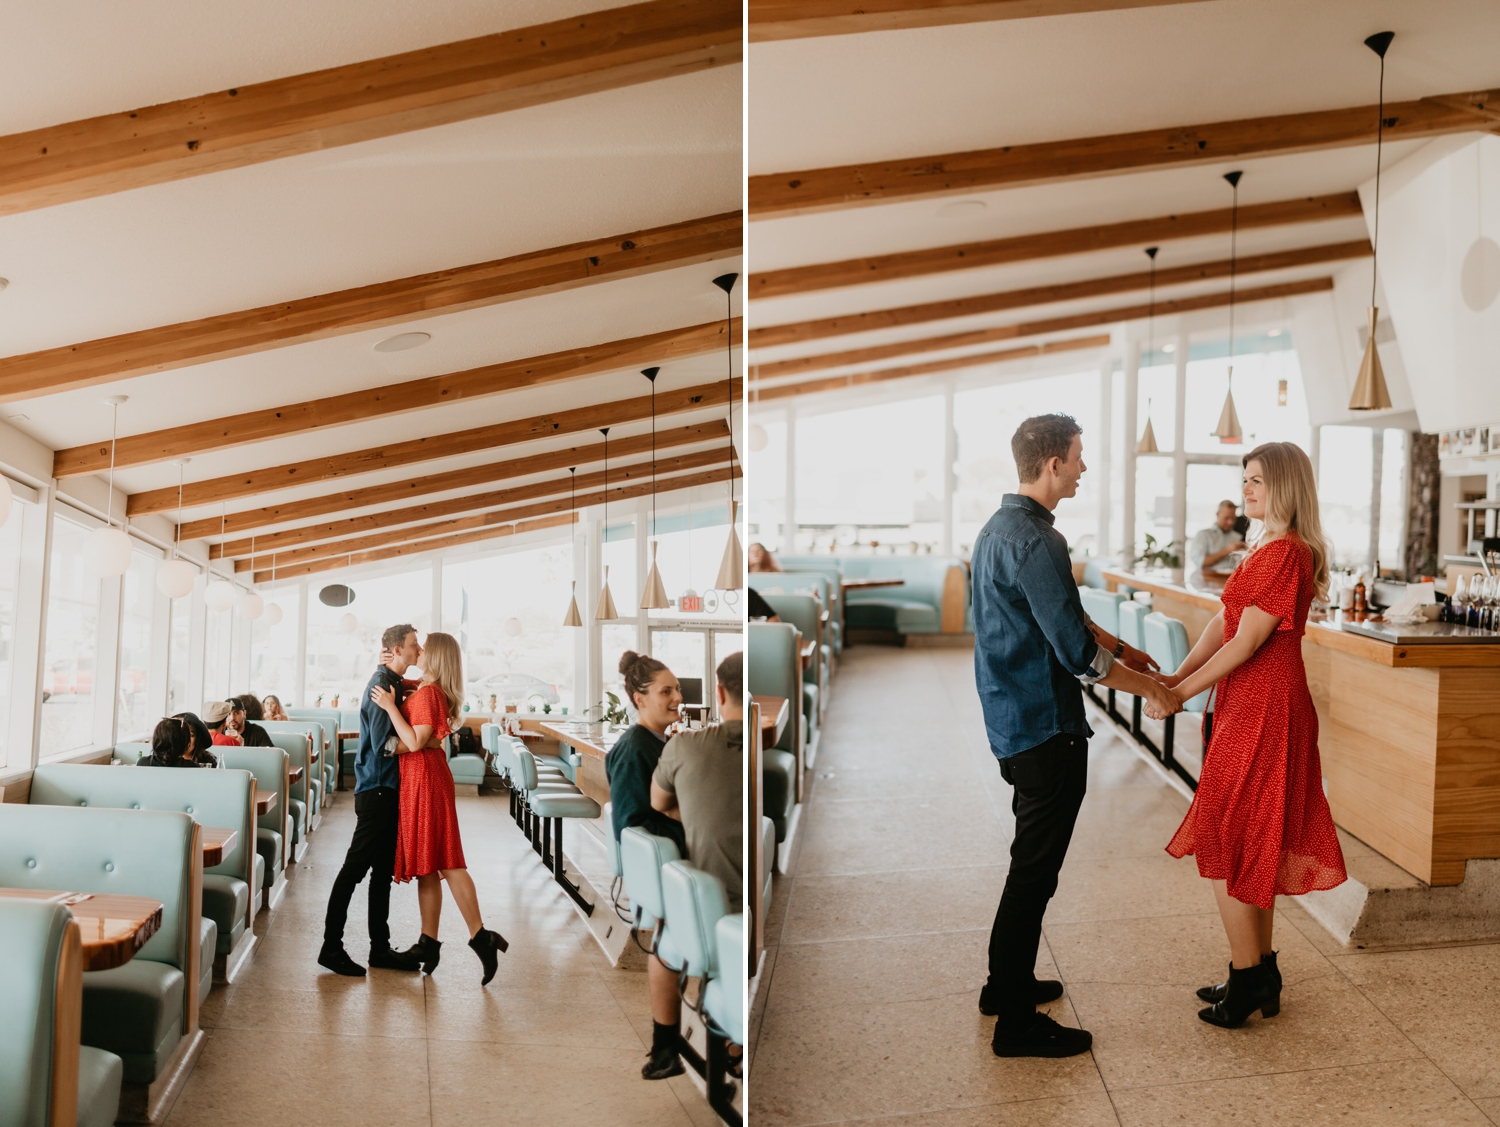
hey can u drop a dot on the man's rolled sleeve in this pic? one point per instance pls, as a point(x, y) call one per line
point(1098, 668)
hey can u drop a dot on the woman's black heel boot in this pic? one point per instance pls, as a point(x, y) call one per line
point(1249, 990)
point(488, 945)
point(1212, 994)
point(427, 950)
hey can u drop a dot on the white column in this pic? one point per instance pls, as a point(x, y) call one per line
point(44, 588)
point(1104, 472)
point(437, 595)
point(299, 680)
point(950, 455)
point(1179, 452)
point(789, 518)
point(1315, 451)
point(1377, 459)
point(1132, 409)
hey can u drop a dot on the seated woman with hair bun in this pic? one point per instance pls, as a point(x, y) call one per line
point(181, 741)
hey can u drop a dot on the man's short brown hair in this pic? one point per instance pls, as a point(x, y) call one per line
point(731, 675)
point(1040, 438)
point(395, 636)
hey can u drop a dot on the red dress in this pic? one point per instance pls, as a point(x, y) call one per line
point(427, 839)
point(1259, 820)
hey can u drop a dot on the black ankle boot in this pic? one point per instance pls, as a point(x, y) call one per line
point(1216, 993)
point(1249, 990)
point(488, 945)
point(426, 950)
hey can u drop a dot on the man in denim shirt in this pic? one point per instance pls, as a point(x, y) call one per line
point(1034, 648)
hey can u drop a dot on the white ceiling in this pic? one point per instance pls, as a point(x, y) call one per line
point(606, 164)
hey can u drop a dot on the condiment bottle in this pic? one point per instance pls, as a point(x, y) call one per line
point(1359, 597)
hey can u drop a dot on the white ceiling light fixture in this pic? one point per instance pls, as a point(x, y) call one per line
point(573, 618)
point(175, 577)
point(274, 612)
point(1479, 278)
point(1228, 431)
point(4, 282)
point(732, 567)
point(349, 623)
point(403, 341)
point(109, 547)
point(1370, 392)
point(759, 439)
point(1147, 444)
point(219, 594)
point(654, 593)
point(251, 605)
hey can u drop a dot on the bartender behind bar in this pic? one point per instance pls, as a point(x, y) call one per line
point(1210, 549)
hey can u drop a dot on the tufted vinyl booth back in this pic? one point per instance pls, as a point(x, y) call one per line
point(775, 670)
point(327, 718)
point(211, 798)
point(32, 933)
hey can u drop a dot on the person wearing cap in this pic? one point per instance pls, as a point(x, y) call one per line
point(217, 715)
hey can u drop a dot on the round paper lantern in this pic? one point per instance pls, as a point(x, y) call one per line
point(175, 578)
point(219, 595)
point(6, 497)
point(512, 627)
point(251, 606)
point(109, 552)
point(348, 624)
point(273, 614)
point(758, 438)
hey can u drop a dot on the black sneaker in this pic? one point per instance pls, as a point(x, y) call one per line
point(1043, 1038)
point(393, 960)
point(660, 1065)
point(1046, 990)
point(337, 960)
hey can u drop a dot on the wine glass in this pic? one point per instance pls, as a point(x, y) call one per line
point(1456, 601)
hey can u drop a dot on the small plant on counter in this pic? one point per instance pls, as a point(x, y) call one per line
point(1159, 555)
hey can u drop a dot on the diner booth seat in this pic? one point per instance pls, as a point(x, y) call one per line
point(933, 599)
point(269, 767)
point(802, 612)
point(468, 771)
point(328, 719)
point(223, 799)
point(320, 790)
point(808, 583)
point(47, 1079)
point(298, 801)
point(146, 1011)
point(773, 652)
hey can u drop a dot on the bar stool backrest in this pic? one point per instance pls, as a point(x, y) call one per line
point(1103, 607)
point(1167, 642)
point(694, 901)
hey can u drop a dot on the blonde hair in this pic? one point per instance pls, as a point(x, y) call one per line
point(1292, 502)
point(443, 666)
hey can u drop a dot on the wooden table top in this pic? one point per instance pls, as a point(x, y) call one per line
point(265, 801)
point(587, 738)
point(217, 841)
point(113, 927)
point(868, 584)
point(294, 774)
point(774, 714)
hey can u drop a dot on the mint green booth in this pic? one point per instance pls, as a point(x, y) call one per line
point(802, 612)
point(223, 799)
point(46, 1076)
point(932, 599)
point(146, 1011)
point(828, 568)
point(320, 780)
point(298, 803)
point(808, 583)
point(774, 660)
point(328, 720)
point(269, 767)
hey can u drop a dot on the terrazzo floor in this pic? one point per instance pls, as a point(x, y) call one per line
point(866, 1010)
point(558, 1037)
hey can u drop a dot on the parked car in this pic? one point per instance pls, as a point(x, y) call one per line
point(518, 688)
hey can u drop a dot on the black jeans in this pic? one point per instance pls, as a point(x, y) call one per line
point(372, 851)
point(1049, 781)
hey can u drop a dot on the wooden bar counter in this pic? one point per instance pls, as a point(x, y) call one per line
point(1409, 736)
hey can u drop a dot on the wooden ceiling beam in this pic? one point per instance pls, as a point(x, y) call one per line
point(335, 466)
point(361, 101)
point(713, 430)
point(433, 545)
point(346, 311)
point(799, 19)
point(857, 185)
point(390, 518)
point(337, 552)
point(389, 399)
point(1050, 244)
point(1163, 308)
point(803, 331)
point(909, 371)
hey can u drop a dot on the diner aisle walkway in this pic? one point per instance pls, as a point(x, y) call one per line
point(867, 1011)
point(558, 1037)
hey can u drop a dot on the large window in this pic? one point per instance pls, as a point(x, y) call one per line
point(689, 558)
point(693, 655)
point(180, 654)
point(10, 574)
point(340, 663)
point(72, 643)
point(766, 507)
point(216, 654)
point(134, 714)
point(507, 611)
point(1265, 413)
point(614, 640)
point(1207, 487)
point(273, 650)
point(619, 557)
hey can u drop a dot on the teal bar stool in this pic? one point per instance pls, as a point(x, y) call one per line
point(695, 905)
point(551, 805)
point(642, 856)
point(1103, 607)
point(1167, 642)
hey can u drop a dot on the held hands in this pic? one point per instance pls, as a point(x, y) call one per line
point(1162, 702)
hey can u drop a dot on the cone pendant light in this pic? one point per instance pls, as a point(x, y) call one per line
point(732, 567)
point(1370, 392)
point(1147, 444)
point(573, 618)
point(1228, 431)
point(606, 609)
point(654, 594)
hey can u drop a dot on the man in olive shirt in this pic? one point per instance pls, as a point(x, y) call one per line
point(699, 781)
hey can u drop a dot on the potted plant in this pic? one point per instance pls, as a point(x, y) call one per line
point(1159, 555)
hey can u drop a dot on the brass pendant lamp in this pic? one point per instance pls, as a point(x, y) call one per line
point(573, 618)
point(1228, 431)
point(1147, 444)
point(606, 609)
point(732, 566)
point(1370, 393)
point(654, 594)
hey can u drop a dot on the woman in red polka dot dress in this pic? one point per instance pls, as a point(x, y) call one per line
point(1259, 823)
point(427, 841)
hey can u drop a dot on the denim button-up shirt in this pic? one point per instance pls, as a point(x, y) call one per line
point(1032, 644)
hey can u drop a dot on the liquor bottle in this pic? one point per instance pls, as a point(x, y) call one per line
point(1359, 597)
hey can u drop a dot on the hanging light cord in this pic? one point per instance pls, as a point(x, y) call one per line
point(177, 532)
point(114, 430)
point(1234, 222)
point(729, 381)
point(1379, 139)
point(653, 457)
